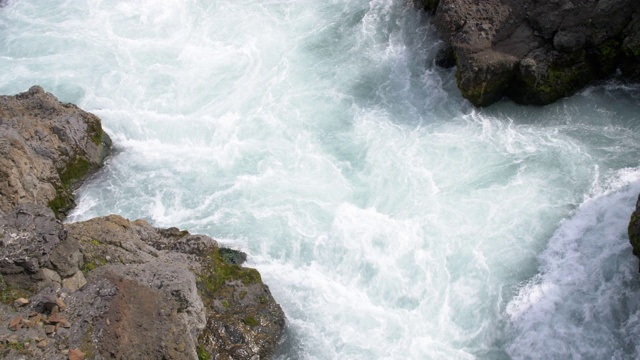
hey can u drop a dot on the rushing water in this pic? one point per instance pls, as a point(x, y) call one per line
point(390, 219)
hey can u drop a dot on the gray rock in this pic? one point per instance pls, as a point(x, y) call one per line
point(575, 42)
point(74, 282)
point(131, 291)
point(46, 147)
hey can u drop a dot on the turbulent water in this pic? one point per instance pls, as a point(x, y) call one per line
point(390, 219)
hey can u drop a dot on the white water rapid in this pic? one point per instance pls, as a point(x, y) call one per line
point(390, 218)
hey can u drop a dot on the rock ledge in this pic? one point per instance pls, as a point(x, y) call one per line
point(108, 288)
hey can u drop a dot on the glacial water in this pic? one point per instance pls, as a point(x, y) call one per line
point(390, 218)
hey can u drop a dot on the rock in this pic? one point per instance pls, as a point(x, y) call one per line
point(536, 52)
point(75, 354)
point(634, 230)
point(52, 277)
point(20, 302)
point(75, 282)
point(130, 290)
point(61, 304)
point(14, 324)
point(185, 273)
point(46, 147)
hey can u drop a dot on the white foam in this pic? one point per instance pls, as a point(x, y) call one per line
point(389, 218)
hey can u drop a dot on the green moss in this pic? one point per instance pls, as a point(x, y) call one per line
point(61, 203)
point(91, 265)
point(226, 304)
point(203, 354)
point(94, 129)
point(8, 294)
point(560, 82)
point(216, 273)
point(20, 347)
point(487, 91)
point(75, 170)
point(88, 266)
point(95, 242)
point(606, 56)
point(251, 321)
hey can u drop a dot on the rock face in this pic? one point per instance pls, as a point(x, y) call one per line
point(537, 51)
point(634, 230)
point(45, 148)
point(109, 288)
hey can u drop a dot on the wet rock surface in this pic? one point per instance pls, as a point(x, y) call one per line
point(109, 288)
point(537, 51)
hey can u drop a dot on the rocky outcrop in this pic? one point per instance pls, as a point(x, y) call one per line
point(537, 51)
point(109, 287)
point(634, 230)
point(46, 147)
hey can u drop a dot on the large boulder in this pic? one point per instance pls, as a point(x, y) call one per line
point(537, 51)
point(46, 147)
point(108, 287)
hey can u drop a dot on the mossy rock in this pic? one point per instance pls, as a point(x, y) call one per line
point(606, 56)
point(487, 92)
point(75, 170)
point(232, 257)
point(554, 76)
point(217, 272)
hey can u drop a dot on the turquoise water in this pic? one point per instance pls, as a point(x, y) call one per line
point(390, 218)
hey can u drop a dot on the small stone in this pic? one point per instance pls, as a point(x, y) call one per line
point(14, 324)
point(51, 276)
point(61, 304)
point(27, 345)
point(26, 323)
point(75, 354)
point(36, 319)
point(42, 344)
point(55, 318)
point(64, 352)
point(20, 302)
point(75, 282)
point(49, 329)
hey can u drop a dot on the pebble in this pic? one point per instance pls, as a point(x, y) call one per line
point(49, 329)
point(20, 302)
